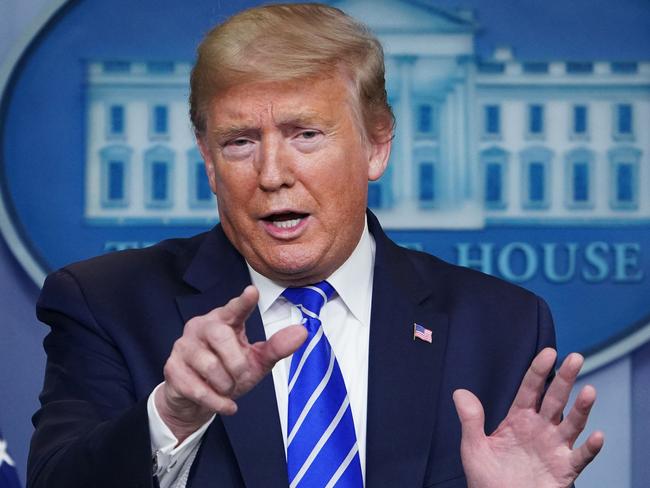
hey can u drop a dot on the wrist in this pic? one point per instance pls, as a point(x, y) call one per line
point(181, 416)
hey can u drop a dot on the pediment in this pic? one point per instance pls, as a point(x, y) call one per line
point(406, 16)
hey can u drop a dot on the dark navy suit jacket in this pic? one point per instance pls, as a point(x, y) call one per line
point(115, 318)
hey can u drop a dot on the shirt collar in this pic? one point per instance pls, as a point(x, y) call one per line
point(352, 280)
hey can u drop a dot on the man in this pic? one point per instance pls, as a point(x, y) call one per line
point(158, 359)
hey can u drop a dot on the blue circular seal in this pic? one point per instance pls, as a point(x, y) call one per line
point(511, 165)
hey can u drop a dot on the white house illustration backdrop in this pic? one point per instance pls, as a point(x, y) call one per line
point(479, 142)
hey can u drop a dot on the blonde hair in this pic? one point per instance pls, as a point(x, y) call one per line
point(284, 42)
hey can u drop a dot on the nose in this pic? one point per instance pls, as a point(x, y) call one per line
point(274, 165)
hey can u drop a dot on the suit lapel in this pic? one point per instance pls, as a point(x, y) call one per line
point(218, 273)
point(404, 374)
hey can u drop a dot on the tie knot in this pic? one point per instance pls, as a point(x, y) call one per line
point(310, 299)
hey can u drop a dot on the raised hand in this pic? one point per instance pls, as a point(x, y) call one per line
point(533, 446)
point(213, 364)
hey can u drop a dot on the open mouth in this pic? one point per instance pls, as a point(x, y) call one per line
point(285, 220)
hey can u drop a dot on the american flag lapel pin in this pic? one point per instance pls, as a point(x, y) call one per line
point(422, 333)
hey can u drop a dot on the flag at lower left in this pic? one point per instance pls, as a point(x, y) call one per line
point(8, 473)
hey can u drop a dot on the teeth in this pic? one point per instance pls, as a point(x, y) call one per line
point(286, 224)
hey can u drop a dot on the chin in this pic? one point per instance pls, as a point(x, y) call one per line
point(294, 270)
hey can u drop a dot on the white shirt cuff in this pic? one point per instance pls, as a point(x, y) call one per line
point(169, 457)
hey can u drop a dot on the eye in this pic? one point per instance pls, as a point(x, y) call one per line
point(240, 142)
point(308, 134)
point(237, 148)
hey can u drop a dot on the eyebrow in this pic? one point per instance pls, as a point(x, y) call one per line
point(233, 131)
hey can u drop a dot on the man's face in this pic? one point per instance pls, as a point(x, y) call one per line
point(290, 167)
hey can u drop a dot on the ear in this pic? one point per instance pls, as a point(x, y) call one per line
point(208, 161)
point(379, 154)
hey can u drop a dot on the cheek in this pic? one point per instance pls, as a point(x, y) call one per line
point(233, 185)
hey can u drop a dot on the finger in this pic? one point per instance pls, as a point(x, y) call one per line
point(211, 369)
point(574, 423)
point(583, 455)
point(471, 415)
point(237, 310)
point(189, 386)
point(532, 386)
point(280, 345)
point(558, 392)
point(234, 359)
point(231, 352)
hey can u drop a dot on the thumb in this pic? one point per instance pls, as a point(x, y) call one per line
point(472, 417)
point(281, 344)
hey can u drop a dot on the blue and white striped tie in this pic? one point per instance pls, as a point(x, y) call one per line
point(322, 448)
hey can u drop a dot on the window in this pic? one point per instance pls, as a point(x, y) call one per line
point(160, 67)
point(579, 68)
point(490, 68)
point(115, 180)
point(580, 121)
point(623, 121)
point(158, 167)
point(535, 120)
point(624, 68)
point(535, 68)
point(427, 184)
point(494, 162)
point(116, 122)
point(493, 183)
point(579, 179)
point(492, 121)
point(424, 118)
point(117, 67)
point(426, 122)
point(114, 175)
point(624, 182)
point(199, 191)
point(159, 120)
point(536, 174)
point(624, 177)
point(536, 180)
point(159, 181)
point(202, 189)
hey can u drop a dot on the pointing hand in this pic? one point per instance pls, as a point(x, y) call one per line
point(212, 364)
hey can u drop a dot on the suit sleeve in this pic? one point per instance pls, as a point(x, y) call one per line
point(545, 327)
point(90, 431)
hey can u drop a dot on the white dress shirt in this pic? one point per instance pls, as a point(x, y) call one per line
point(346, 323)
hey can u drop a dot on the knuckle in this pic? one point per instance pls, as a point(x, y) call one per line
point(243, 365)
point(200, 394)
point(169, 372)
point(215, 333)
point(191, 325)
point(227, 387)
point(195, 327)
point(220, 335)
point(239, 367)
point(209, 364)
point(180, 347)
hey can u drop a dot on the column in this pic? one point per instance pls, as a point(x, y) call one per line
point(404, 136)
point(472, 191)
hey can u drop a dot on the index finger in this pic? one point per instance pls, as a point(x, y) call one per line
point(532, 386)
point(237, 310)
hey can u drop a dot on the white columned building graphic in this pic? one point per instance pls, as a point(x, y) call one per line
point(143, 166)
point(478, 142)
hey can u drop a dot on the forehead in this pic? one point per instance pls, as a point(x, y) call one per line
point(325, 100)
